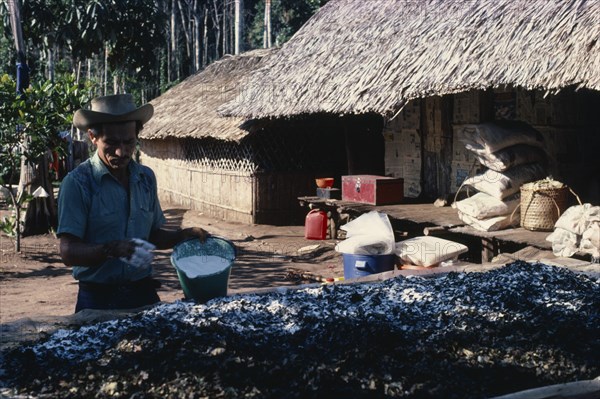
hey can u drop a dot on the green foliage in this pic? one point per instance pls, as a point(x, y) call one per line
point(9, 134)
point(9, 224)
point(29, 126)
point(136, 33)
point(7, 54)
point(287, 16)
point(130, 28)
point(35, 118)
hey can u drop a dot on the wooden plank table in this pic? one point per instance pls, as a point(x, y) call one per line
point(417, 213)
point(446, 218)
point(517, 235)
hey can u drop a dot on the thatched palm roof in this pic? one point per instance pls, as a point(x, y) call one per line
point(358, 56)
point(189, 108)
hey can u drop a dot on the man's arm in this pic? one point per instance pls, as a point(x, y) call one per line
point(76, 252)
point(165, 239)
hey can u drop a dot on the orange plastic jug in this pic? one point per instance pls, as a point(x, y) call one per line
point(315, 226)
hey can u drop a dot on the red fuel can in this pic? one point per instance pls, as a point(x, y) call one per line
point(315, 226)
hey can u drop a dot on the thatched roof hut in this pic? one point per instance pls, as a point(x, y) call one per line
point(357, 56)
point(188, 110)
point(207, 162)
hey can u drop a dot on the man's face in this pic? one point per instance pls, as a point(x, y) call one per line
point(116, 144)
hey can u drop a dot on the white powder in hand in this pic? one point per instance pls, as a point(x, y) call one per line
point(195, 266)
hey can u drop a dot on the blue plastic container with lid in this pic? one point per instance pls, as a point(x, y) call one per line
point(206, 286)
point(364, 265)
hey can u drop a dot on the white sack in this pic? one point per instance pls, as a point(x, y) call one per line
point(484, 206)
point(577, 230)
point(369, 234)
point(512, 156)
point(590, 240)
point(577, 218)
point(504, 184)
point(491, 224)
point(428, 251)
point(564, 243)
point(487, 138)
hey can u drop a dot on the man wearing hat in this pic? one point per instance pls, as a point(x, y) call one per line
point(109, 215)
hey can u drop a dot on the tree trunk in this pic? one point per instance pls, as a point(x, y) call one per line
point(41, 211)
point(174, 55)
point(186, 30)
point(267, 25)
point(197, 42)
point(169, 57)
point(25, 181)
point(224, 26)
point(205, 38)
point(217, 27)
point(78, 73)
point(105, 68)
point(50, 66)
point(239, 25)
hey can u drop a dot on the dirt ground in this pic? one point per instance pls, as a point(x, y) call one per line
point(36, 284)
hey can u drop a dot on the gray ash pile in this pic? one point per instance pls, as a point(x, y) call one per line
point(461, 335)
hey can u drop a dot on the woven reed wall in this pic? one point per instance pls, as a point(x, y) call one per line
point(255, 181)
point(217, 192)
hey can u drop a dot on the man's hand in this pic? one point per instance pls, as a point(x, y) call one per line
point(135, 251)
point(164, 239)
point(194, 232)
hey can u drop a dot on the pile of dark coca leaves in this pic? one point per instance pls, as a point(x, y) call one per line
point(459, 335)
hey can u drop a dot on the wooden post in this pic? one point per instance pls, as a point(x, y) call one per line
point(489, 249)
point(436, 231)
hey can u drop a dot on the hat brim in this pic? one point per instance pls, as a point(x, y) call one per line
point(84, 118)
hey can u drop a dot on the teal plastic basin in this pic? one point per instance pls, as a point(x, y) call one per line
point(209, 286)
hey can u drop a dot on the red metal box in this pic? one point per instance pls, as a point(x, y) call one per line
point(372, 189)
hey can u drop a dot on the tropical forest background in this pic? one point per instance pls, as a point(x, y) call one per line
point(55, 55)
point(142, 47)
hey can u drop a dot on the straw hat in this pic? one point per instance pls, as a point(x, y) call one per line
point(110, 109)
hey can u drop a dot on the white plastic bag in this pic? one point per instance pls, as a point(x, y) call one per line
point(369, 234)
point(365, 245)
point(428, 251)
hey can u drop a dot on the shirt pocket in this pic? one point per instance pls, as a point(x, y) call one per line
point(144, 216)
point(108, 219)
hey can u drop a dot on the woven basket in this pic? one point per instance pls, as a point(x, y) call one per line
point(541, 207)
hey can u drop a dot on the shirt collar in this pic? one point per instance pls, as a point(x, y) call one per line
point(99, 169)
